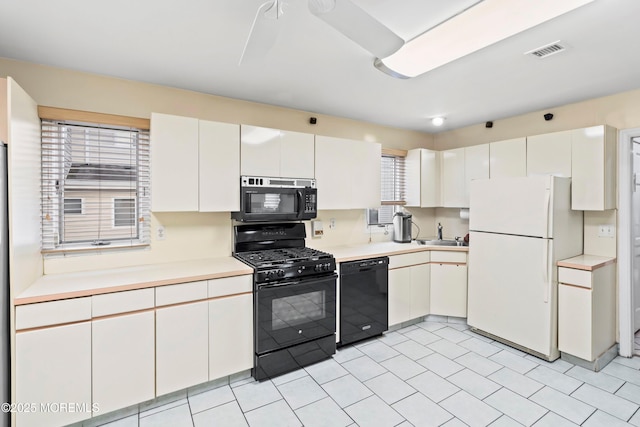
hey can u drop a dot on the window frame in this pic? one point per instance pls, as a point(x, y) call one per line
point(394, 204)
point(139, 187)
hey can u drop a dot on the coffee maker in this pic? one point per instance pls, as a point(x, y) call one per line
point(402, 227)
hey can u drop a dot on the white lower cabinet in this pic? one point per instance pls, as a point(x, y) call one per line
point(448, 284)
point(53, 368)
point(123, 368)
point(408, 293)
point(182, 346)
point(230, 335)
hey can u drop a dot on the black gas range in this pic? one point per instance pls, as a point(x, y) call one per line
point(294, 297)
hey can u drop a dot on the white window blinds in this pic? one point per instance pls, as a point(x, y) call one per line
point(95, 186)
point(392, 175)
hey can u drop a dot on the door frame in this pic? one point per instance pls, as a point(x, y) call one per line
point(626, 299)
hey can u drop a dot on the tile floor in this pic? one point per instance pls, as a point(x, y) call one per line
point(427, 374)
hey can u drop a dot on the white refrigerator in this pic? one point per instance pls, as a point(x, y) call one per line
point(519, 228)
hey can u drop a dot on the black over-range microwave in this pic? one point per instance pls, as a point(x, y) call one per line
point(276, 199)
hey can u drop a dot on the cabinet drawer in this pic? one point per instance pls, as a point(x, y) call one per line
point(122, 302)
point(230, 285)
point(404, 260)
point(53, 313)
point(448, 256)
point(572, 276)
point(184, 292)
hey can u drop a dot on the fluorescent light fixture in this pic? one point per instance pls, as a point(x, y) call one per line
point(437, 121)
point(482, 25)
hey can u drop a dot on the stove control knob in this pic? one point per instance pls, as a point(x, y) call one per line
point(318, 267)
point(281, 273)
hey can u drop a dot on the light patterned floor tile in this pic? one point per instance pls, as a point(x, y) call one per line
point(515, 406)
point(516, 382)
point(323, 413)
point(372, 411)
point(568, 407)
point(178, 416)
point(389, 388)
point(294, 375)
point(470, 410)
point(623, 372)
point(432, 326)
point(256, 394)
point(225, 415)
point(554, 379)
point(480, 347)
point(131, 421)
point(210, 399)
point(448, 349)
point(479, 364)
point(557, 365)
point(451, 334)
point(301, 392)
point(441, 365)
point(364, 368)
point(403, 367)
point(630, 392)
point(513, 361)
point(473, 383)
point(344, 354)
point(432, 386)
point(276, 414)
point(551, 419)
point(505, 421)
point(599, 419)
point(392, 338)
point(380, 352)
point(631, 362)
point(346, 390)
point(413, 350)
point(607, 402)
point(597, 379)
point(420, 411)
point(635, 420)
point(422, 336)
point(326, 371)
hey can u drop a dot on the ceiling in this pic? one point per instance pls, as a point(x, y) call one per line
point(196, 45)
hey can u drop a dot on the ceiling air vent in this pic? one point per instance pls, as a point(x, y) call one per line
point(547, 50)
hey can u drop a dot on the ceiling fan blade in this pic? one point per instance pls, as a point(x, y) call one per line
point(263, 33)
point(357, 25)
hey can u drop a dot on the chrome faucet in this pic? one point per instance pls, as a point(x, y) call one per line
point(439, 231)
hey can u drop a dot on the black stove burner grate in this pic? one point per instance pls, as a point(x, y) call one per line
point(281, 256)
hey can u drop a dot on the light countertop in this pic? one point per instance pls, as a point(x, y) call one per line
point(586, 262)
point(72, 285)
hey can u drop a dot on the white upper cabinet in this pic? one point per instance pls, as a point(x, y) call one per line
point(174, 163)
point(593, 163)
point(476, 166)
point(549, 154)
point(347, 173)
point(194, 165)
point(276, 153)
point(453, 178)
point(423, 178)
point(508, 158)
point(219, 166)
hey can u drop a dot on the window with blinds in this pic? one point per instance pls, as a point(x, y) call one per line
point(392, 190)
point(95, 186)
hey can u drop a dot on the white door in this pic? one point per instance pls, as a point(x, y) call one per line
point(514, 205)
point(511, 290)
point(635, 218)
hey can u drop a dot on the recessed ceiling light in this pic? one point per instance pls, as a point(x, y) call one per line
point(437, 121)
point(482, 25)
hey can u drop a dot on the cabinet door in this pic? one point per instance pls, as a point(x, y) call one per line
point(449, 289)
point(420, 292)
point(508, 158)
point(174, 163)
point(123, 360)
point(549, 154)
point(476, 166)
point(182, 346)
point(53, 365)
point(365, 174)
point(399, 295)
point(593, 166)
point(230, 335)
point(297, 155)
point(333, 175)
point(423, 178)
point(453, 179)
point(219, 167)
point(259, 151)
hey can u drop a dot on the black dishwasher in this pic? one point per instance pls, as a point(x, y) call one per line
point(364, 296)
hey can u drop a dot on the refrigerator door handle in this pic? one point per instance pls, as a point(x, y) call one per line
point(545, 274)
point(547, 209)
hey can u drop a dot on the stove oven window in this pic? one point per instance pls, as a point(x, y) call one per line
point(297, 309)
point(273, 203)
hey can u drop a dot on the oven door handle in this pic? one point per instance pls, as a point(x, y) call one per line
point(297, 282)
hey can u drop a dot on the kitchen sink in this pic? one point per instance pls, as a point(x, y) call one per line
point(441, 242)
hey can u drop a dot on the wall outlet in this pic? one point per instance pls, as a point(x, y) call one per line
point(606, 230)
point(316, 228)
point(160, 233)
point(332, 223)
